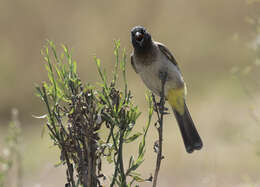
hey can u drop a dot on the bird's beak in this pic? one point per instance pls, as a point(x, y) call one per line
point(139, 36)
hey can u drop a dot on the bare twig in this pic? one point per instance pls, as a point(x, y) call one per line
point(160, 114)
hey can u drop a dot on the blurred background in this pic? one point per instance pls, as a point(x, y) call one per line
point(217, 46)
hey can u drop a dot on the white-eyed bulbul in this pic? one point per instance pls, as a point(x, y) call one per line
point(149, 59)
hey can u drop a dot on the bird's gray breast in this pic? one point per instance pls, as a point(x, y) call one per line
point(150, 74)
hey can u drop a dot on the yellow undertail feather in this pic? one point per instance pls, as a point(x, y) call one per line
point(176, 98)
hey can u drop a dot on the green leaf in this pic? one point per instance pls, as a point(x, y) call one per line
point(75, 67)
point(137, 177)
point(132, 138)
point(134, 166)
point(116, 53)
point(131, 161)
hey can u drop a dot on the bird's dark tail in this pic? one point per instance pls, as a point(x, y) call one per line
point(191, 138)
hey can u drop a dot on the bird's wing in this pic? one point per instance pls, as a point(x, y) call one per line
point(167, 53)
point(133, 63)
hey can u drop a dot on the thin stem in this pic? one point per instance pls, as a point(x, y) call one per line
point(119, 165)
point(120, 158)
point(160, 113)
point(117, 161)
point(115, 174)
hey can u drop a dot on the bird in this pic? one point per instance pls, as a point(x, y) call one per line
point(150, 59)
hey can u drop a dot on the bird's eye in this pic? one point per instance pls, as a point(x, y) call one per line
point(139, 36)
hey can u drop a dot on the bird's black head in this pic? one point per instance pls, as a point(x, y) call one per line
point(141, 39)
